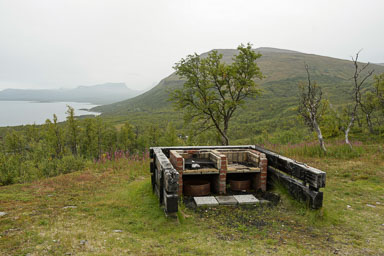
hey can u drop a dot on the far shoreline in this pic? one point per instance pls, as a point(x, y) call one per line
point(22, 112)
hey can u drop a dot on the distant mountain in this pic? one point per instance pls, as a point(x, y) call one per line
point(283, 69)
point(98, 94)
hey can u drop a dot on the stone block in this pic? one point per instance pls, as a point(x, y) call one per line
point(205, 201)
point(226, 200)
point(246, 199)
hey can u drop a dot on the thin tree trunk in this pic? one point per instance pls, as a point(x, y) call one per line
point(347, 131)
point(225, 140)
point(359, 122)
point(353, 116)
point(319, 135)
point(369, 122)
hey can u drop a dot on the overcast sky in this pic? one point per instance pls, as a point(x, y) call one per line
point(52, 43)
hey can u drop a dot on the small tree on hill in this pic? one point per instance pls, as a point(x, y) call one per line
point(54, 137)
point(73, 130)
point(359, 77)
point(127, 137)
point(311, 106)
point(214, 90)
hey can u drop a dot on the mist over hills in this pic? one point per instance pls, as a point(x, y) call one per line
point(97, 94)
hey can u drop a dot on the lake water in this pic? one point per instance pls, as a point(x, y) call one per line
point(14, 113)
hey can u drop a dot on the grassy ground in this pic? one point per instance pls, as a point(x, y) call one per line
point(109, 209)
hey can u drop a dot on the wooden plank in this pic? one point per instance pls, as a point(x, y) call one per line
point(197, 171)
point(243, 171)
point(314, 177)
point(252, 170)
point(209, 170)
point(314, 199)
point(167, 149)
point(151, 166)
point(201, 171)
point(238, 168)
point(153, 181)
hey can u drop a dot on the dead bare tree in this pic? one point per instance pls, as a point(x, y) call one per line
point(311, 106)
point(359, 77)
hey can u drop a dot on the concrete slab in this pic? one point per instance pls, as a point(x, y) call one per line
point(246, 199)
point(226, 200)
point(205, 201)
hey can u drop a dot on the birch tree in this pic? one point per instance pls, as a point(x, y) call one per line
point(360, 76)
point(214, 90)
point(311, 106)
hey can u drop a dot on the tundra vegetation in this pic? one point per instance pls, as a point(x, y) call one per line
point(109, 209)
point(83, 186)
point(37, 151)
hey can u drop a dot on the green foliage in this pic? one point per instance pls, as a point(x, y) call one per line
point(72, 130)
point(379, 88)
point(213, 89)
point(335, 149)
point(128, 138)
point(88, 138)
point(32, 152)
point(15, 142)
point(54, 138)
point(70, 163)
point(170, 137)
point(330, 125)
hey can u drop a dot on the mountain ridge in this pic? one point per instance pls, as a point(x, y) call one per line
point(278, 65)
point(105, 93)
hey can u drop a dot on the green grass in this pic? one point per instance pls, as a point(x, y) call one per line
point(118, 196)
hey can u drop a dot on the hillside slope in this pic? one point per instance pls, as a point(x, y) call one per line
point(283, 69)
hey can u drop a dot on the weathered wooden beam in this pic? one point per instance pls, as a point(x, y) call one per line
point(167, 149)
point(171, 178)
point(153, 181)
point(165, 179)
point(162, 162)
point(313, 199)
point(315, 178)
point(159, 194)
point(171, 202)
